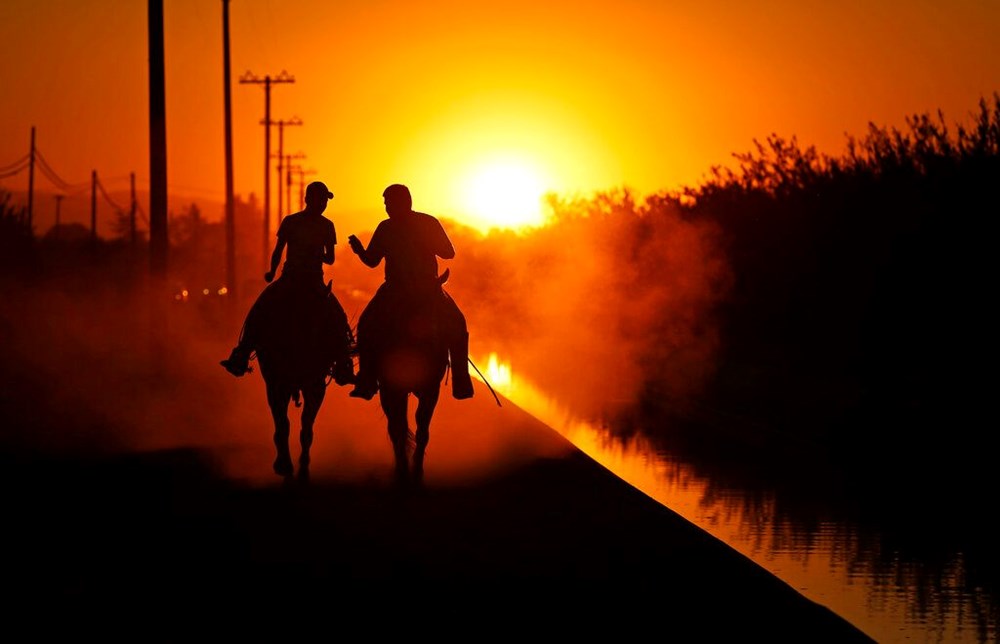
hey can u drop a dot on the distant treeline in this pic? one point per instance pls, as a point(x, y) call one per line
point(72, 256)
point(866, 273)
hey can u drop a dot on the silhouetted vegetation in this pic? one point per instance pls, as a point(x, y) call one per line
point(840, 301)
point(17, 242)
point(860, 292)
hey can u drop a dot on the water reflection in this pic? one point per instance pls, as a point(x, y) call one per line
point(898, 569)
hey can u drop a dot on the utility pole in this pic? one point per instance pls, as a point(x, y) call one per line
point(288, 178)
point(281, 157)
point(288, 183)
point(228, 120)
point(93, 207)
point(131, 211)
point(158, 245)
point(31, 184)
point(55, 229)
point(158, 242)
point(302, 183)
point(267, 81)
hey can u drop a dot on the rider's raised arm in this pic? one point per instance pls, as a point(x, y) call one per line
point(373, 255)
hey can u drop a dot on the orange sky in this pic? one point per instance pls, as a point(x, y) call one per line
point(477, 106)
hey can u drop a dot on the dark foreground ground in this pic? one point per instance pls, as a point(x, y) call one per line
point(557, 545)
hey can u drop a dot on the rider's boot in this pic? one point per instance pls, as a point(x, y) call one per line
point(343, 370)
point(365, 382)
point(461, 381)
point(238, 362)
point(342, 363)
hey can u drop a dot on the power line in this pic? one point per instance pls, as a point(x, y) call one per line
point(18, 162)
point(142, 214)
point(53, 178)
point(52, 174)
point(22, 168)
point(107, 197)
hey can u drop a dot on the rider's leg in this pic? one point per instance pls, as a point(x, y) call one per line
point(344, 366)
point(238, 362)
point(338, 331)
point(458, 348)
point(366, 381)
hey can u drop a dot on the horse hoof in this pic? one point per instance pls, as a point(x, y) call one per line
point(283, 466)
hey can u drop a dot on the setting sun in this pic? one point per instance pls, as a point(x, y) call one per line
point(504, 194)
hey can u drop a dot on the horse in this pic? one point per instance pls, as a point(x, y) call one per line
point(412, 360)
point(298, 351)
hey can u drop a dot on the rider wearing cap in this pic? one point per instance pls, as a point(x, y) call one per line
point(310, 239)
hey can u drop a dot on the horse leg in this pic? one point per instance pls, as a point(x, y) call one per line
point(427, 401)
point(312, 400)
point(277, 400)
point(394, 405)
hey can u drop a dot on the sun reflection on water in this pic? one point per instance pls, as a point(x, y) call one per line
point(634, 460)
point(813, 566)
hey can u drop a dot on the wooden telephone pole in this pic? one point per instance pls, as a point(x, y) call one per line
point(281, 159)
point(228, 121)
point(158, 243)
point(267, 81)
point(31, 185)
point(288, 179)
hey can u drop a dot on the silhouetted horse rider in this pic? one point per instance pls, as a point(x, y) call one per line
point(300, 291)
point(410, 242)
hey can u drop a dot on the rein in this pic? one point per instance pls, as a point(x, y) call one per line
point(490, 387)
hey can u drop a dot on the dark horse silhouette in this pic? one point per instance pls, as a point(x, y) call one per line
point(296, 350)
point(412, 360)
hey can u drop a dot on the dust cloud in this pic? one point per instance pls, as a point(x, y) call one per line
point(612, 302)
point(82, 377)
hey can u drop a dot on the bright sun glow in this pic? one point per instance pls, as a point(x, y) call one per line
point(504, 194)
point(498, 373)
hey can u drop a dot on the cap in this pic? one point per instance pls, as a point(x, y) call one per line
point(318, 188)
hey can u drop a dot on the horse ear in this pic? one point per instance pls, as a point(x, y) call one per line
point(329, 286)
point(443, 277)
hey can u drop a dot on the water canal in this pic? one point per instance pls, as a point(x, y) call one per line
point(847, 566)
